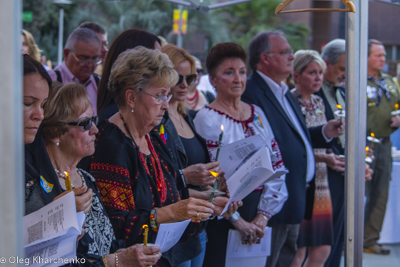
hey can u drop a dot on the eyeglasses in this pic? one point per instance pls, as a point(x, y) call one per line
point(285, 53)
point(87, 124)
point(199, 71)
point(160, 99)
point(190, 79)
point(85, 61)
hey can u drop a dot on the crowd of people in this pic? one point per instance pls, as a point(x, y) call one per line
point(138, 143)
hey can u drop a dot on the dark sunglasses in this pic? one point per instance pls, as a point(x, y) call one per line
point(87, 124)
point(190, 79)
point(199, 71)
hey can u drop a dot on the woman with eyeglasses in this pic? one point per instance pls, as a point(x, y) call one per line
point(128, 39)
point(131, 165)
point(195, 98)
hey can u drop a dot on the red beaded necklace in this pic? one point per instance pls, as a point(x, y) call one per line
point(192, 102)
point(161, 186)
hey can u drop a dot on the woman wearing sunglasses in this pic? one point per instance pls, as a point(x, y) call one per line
point(195, 98)
point(187, 147)
point(69, 134)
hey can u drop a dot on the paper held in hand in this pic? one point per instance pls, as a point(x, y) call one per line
point(169, 234)
point(247, 165)
point(240, 254)
point(51, 232)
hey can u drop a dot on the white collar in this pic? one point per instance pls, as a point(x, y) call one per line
point(277, 89)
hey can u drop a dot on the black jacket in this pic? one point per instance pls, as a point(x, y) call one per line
point(291, 146)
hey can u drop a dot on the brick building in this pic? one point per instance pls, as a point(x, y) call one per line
point(325, 26)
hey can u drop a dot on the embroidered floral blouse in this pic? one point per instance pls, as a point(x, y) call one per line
point(129, 183)
point(208, 123)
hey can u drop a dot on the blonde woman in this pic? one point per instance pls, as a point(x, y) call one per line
point(29, 45)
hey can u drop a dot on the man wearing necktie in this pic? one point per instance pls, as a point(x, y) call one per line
point(382, 95)
point(270, 58)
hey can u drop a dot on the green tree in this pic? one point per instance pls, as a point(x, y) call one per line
point(44, 26)
point(152, 15)
point(247, 19)
point(297, 35)
point(119, 16)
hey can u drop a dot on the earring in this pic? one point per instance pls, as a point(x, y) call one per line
point(57, 144)
point(132, 110)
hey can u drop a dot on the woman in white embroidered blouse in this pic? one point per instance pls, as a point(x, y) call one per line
point(227, 72)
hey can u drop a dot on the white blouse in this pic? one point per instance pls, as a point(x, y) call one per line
point(208, 123)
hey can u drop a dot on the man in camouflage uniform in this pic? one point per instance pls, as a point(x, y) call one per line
point(382, 95)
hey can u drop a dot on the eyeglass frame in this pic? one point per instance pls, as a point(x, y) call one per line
point(87, 123)
point(162, 98)
point(181, 78)
point(286, 52)
point(86, 61)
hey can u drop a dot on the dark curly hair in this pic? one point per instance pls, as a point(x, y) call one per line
point(222, 51)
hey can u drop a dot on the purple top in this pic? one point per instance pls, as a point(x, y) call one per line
point(68, 77)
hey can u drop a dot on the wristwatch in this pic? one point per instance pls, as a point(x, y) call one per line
point(234, 218)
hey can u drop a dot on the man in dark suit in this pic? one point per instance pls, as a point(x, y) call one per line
point(270, 57)
point(334, 55)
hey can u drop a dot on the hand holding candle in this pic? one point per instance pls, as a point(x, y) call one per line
point(367, 158)
point(373, 140)
point(340, 113)
point(68, 184)
point(396, 111)
point(145, 234)
point(215, 185)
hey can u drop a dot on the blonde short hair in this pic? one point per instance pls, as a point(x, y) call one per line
point(65, 105)
point(34, 50)
point(138, 69)
point(304, 57)
point(177, 56)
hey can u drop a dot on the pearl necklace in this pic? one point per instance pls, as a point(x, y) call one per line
point(62, 175)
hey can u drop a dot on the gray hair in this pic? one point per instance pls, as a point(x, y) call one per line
point(82, 35)
point(371, 42)
point(97, 28)
point(139, 68)
point(333, 50)
point(304, 57)
point(259, 45)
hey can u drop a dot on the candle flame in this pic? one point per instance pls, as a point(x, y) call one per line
point(339, 106)
point(145, 226)
point(396, 106)
point(66, 174)
point(372, 134)
point(222, 127)
point(215, 174)
point(367, 149)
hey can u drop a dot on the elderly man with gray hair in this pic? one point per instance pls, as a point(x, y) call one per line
point(81, 56)
point(270, 58)
point(334, 55)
